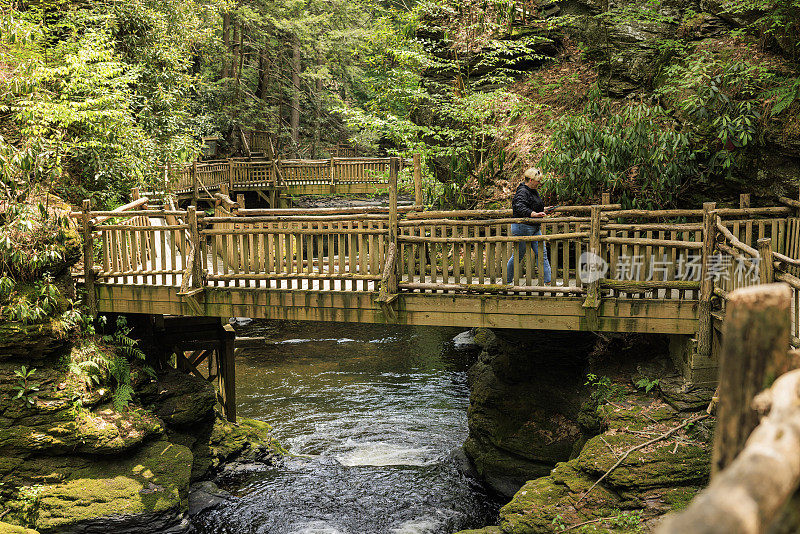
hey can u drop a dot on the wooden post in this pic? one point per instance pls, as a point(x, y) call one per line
point(605, 199)
point(744, 200)
point(704, 330)
point(417, 179)
point(593, 257)
point(240, 200)
point(195, 184)
point(755, 343)
point(765, 264)
point(333, 176)
point(135, 193)
point(227, 364)
point(225, 190)
point(394, 166)
point(88, 259)
point(230, 174)
point(197, 249)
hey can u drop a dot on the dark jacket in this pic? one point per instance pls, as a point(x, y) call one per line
point(526, 201)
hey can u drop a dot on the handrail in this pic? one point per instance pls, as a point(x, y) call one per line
point(734, 241)
point(786, 259)
point(493, 239)
point(504, 213)
point(409, 222)
point(324, 211)
point(226, 201)
point(100, 216)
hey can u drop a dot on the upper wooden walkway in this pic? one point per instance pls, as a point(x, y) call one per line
point(438, 268)
point(269, 177)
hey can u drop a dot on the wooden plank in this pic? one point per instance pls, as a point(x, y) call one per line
point(422, 253)
point(442, 271)
point(468, 248)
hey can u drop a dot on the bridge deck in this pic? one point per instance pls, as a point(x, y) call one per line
point(413, 308)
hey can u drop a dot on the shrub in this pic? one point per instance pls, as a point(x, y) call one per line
point(635, 152)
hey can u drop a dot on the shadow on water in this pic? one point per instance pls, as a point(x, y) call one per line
point(381, 414)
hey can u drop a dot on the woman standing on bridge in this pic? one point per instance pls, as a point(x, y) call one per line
point(528, 204)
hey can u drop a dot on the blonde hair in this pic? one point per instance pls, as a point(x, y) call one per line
point(532, 173)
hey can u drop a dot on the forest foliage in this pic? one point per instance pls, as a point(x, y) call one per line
point(97, 97)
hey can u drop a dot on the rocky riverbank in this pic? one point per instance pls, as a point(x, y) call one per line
point(72, 463)
point(565, 434)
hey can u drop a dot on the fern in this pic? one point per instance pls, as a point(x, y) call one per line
point(783, 96)
point(95, 366)
point(120, 370)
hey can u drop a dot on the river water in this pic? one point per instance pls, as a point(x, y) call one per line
point(379, 415)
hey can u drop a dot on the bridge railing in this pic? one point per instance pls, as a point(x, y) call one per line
point(243, 172)
point(596, 252)
point(338, 252)
point(471, 251)
point(138, 247)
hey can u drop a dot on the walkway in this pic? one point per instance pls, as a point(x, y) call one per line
point(270, 178)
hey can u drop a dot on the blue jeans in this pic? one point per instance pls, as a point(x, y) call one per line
point(525, 229)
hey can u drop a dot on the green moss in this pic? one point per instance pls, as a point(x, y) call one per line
point(680, 497)
point(6, 528)
point(249, 440)
point(658, 465)
point(155, 479)
point(32, 342)
point(55, 426)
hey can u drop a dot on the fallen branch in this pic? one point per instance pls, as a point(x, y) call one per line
point(663, 436)
point(579, 525)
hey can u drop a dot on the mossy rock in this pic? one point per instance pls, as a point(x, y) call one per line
point(6, 528)
point(153, 482)
point(250, 440)
point(658, 465)
point(522, 421)
point(33, 342)
point(53, 426)
point(182, 400)
point(485, 530)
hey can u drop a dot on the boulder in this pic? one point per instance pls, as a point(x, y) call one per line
point(180, 399)
point(149, 489)
point(650, 482)
point(33, 342)
point(65, 418)
point(101, 431)
point(523, 420)
point(223, 442)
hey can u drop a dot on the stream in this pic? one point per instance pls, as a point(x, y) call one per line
point(379, 415)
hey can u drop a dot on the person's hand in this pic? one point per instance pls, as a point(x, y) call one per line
point(536, 214)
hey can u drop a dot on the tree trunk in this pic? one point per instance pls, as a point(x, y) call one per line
point(318, 114)
point(295, 118)
point(263, 74)
point(226, 41)
point(239, 62)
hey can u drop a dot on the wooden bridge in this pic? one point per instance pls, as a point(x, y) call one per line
point(272, 178)
point(613, 270)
